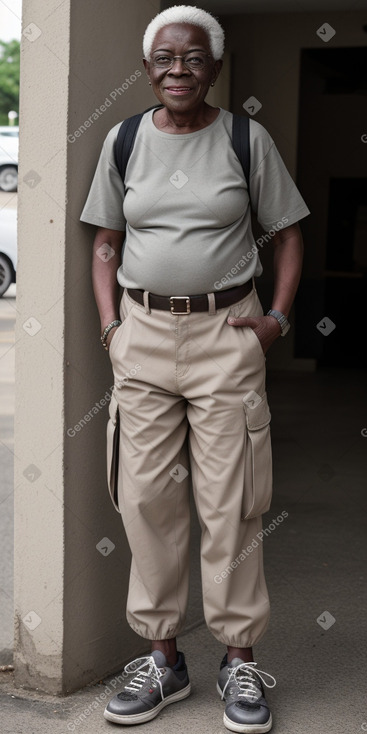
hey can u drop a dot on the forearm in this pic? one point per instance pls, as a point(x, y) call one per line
point(104, 274)
point(288, 257)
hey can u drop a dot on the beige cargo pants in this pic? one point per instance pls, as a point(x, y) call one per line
point(193, 377)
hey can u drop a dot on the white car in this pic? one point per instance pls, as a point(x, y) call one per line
point(9, 144)
point(8, 248)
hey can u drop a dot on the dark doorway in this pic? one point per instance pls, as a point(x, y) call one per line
point(331, 306)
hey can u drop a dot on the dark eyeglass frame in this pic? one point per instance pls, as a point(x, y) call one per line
point(172, 60)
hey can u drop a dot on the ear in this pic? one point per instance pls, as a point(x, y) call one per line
point(217, 68)
point(147, 66)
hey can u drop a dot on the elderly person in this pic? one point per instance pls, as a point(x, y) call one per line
point(170, 233)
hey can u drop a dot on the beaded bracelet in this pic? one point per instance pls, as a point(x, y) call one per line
point(106, 332)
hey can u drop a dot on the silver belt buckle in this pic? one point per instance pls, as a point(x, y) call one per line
point(172, 300)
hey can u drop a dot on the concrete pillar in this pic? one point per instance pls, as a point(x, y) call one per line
point(78, 79)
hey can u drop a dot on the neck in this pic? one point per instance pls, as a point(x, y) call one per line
point(187, 121)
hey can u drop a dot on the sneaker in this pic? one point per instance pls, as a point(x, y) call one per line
point(241, 686)
point(154, 686)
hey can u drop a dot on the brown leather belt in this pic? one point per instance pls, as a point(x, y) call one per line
point(183, 305)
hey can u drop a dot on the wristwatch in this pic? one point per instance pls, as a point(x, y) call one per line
point(281, 319)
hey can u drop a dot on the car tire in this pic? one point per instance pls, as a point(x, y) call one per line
point(6, 275)
point(8, 178)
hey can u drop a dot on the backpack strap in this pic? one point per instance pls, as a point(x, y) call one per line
point(241, 145)
point(125, 140)
point(127, 133)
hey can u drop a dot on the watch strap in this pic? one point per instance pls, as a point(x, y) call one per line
point(281, 319)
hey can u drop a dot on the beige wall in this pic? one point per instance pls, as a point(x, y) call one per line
point(69, 599)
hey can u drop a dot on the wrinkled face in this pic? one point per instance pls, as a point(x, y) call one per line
point(179, 87)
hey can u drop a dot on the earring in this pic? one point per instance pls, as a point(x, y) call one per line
point(212, 84)
point(150, 84)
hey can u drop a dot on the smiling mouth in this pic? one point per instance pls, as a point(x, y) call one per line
point(178, 90)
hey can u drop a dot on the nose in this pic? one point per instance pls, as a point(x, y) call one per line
point(182, 67)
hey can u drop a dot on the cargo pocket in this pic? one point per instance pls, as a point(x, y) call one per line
point(258, 484)
point(113, 449)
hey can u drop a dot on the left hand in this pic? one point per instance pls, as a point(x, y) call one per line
point(266, 328)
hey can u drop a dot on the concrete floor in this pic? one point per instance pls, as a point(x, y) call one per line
point(315, 566)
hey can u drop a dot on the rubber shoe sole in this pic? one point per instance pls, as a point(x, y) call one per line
point(245, 728)
point(152, 713)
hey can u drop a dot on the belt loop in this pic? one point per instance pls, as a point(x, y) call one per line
point(146, 301)
point(211, 301)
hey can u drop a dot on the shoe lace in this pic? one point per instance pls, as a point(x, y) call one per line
point(137, 666)
point(244, 676)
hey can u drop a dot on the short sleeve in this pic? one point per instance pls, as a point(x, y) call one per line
point(104, 204)
point(274, 194)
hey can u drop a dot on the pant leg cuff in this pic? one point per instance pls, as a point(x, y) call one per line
point(163, 634)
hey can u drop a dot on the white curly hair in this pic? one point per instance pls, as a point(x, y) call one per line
point(186, 14)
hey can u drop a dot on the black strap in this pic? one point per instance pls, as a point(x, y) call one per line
point(241, 145)
point(126, 138)
point(127, 133)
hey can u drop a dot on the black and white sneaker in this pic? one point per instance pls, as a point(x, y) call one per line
point(241, 686)
point(154, 686)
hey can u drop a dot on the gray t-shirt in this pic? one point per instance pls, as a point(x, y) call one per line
point(186, 208)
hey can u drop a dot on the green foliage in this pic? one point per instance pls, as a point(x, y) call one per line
point(9, 79)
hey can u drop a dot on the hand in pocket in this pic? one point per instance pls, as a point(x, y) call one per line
point(266, 328)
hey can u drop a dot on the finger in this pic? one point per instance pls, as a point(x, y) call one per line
point(243, 321)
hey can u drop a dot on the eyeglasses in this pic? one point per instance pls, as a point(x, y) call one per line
point(192, 61)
